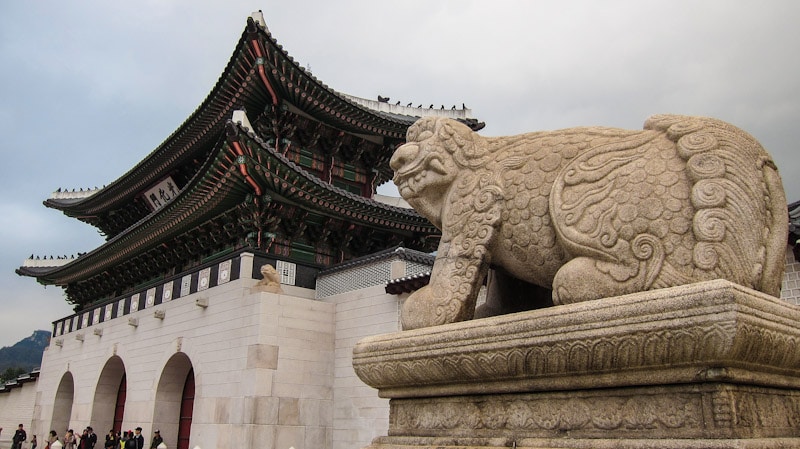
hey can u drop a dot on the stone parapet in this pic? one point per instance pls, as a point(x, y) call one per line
point(711, 365)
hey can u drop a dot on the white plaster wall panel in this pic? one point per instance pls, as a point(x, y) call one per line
point(358, 413)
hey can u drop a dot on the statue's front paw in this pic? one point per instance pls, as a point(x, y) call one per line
point(427, 307)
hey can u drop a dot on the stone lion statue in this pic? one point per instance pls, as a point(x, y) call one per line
point(579, 214)
point(271, 281)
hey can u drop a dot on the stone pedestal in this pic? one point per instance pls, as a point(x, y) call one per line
point(709, 365)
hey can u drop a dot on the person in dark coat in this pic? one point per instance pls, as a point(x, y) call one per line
point(156, 440)
point(92, 438)
point(84, 441)
point(112, 442)
point(19, 437)
point(137, 442)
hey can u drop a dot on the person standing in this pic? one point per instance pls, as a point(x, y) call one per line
point(34, 443)
point(52, 438)
point(84, 443)
point(137, 442)
point(70, 442)
point(111, 440)
point(156, 440)
point(19, 437)
point(92, 438)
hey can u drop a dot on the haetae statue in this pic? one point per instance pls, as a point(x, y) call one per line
point(586, 213)
point(271, 281)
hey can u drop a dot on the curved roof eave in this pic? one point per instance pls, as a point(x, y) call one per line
point(210, 114)
point(202, 198)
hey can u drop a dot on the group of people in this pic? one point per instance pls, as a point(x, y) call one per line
point(130, 439)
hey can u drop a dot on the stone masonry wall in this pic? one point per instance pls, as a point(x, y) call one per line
point(16, 407)
point(262, 365)
point(358, 413)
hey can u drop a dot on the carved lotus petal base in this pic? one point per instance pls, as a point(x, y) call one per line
point(707, 365)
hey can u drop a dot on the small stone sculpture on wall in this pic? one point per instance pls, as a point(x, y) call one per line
point(271, 281)
point(587, 213)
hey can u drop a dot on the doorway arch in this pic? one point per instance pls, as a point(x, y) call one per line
point(62, 406)
point(174, 401)
point(111, 387)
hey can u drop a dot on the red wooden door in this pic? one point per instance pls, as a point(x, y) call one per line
point(187, 406)
point(119, 408)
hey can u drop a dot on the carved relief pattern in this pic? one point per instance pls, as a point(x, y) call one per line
point(628, 351)
point(675, 411)
point(568, 414)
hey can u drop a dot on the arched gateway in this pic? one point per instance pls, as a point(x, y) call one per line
point(108, 406)
point(62, 406)
point(175, 401)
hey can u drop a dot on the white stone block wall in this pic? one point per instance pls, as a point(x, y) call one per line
point(16, 407)
point(263, 366)
point(359, 414)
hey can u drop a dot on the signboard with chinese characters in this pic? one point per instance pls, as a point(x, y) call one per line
point(161, 193)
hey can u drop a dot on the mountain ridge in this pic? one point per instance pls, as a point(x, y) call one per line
point(26, 353)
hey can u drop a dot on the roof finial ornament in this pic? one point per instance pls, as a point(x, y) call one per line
point(258, 17)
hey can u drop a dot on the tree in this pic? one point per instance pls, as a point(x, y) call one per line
point(11, 373)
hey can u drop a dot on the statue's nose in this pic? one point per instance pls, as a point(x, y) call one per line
point(403, 155)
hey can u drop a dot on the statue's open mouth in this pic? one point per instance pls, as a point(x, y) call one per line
point(411, 179)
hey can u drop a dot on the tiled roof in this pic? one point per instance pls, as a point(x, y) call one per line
point(403, 253)
point(241, 86)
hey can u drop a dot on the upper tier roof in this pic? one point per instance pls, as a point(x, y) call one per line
point(259, 73)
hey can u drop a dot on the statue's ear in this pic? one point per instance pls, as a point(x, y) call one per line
point(461, 143)
point(449, 138)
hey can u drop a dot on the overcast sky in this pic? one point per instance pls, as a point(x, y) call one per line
point(87, 89)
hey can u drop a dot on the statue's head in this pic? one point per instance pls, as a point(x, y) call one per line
point(268, 271)
point(427, 164)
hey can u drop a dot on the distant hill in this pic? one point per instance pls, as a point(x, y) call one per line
point(26, 353)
